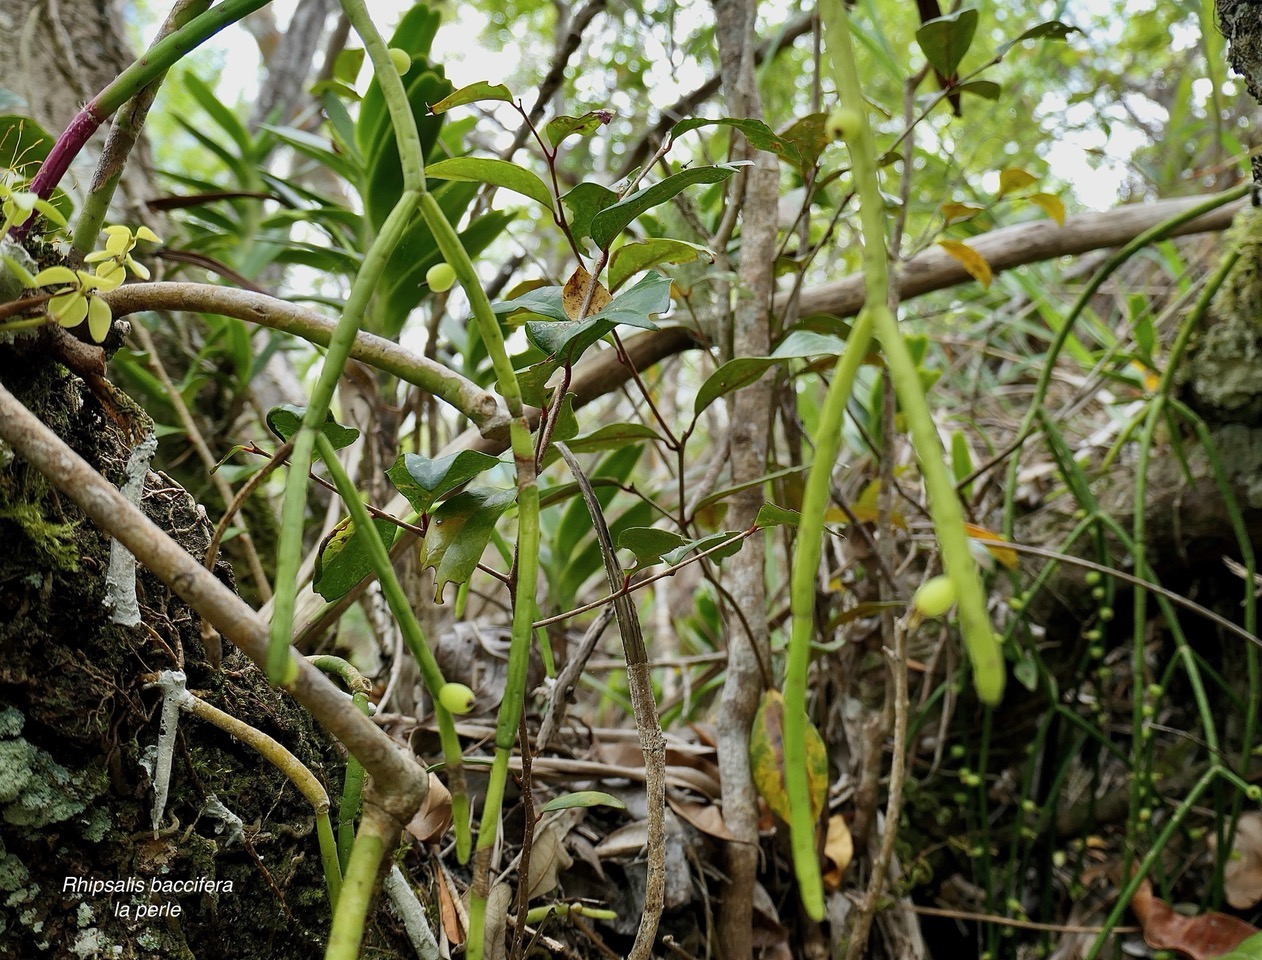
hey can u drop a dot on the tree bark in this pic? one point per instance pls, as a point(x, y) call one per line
point(750, 417)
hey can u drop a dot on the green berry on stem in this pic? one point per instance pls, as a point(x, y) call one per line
point(402, 62)
point(456, 698)
point(843, 124)
point(440, 277)
point(935, 596)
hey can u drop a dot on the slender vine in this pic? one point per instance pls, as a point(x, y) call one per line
point(979, 638)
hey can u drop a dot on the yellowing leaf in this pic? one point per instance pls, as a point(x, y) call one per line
point(766, 758)
point(865, 510)
point(1050, 205)
point(575, 294)
point(957, 212)
point(1014, 178)
point(993, 542)
point(838, 851)
point(970, 260)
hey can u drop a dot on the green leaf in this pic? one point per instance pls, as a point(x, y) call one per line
point(612, 436)
point(424, 481)
point(498, 173)
point(285, 420)
point(745, 370)
point(414, 35)
point(756, 132)
point(584, 202)
point(633, 307)
point(583, 798)
point(458, 533)
point(613, 219)
point(649, 544)
point(382, 180)
point(961, 459)
point(680, 553)
point(630, 258)
point(541, 301)
point(774, 515)
point(1050, 30)
point(344, 560)
point(473, 93)
point(347, 64)
point(223, 116)
point(317, 148)
point(945, 40)
point(986, 89)
point(808, 138)
point(560, 128)
point(566, 340)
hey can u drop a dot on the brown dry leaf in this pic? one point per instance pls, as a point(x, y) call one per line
point(450, 910)
point(575, 293)
point(1242, 876)
point(1200, 938)
point(434, 817)
point(704, 816)
point(838, 851)
point(548, 857)
point(498, 903)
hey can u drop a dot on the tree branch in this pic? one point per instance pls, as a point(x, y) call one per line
point(402, 783)
point(444, 383)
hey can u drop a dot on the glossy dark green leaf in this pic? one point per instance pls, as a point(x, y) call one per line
point(424, 481)
point(560, 128)
point(631, 258)
point(986, 89)
point(497, 173)
point(584, 202)
point(649, 544)
point(383, 170)
point(945, 40)
point(344, 558)
point(473, 93)
point(774, 515)
point(746, 370)
point(414, 35)
point(284, 421)
point(683, 551)
point(613, 219)
point(1050, 30)
point(459, 531)
point(649, 297)
point(760, 136)
point(541, 301)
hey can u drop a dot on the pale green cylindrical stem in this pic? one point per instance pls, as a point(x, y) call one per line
point(293, 512)
point(361, 876)
point(413, 635)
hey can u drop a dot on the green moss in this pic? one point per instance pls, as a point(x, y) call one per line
point(52, 540)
